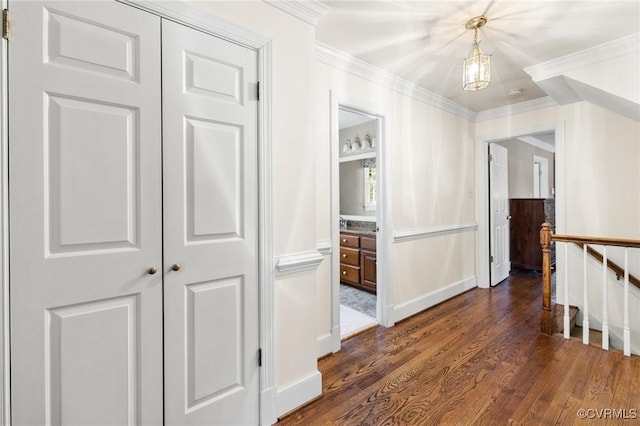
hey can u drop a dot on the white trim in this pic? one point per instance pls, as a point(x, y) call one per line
point(343, 61)
point(268, 395)
point(298, 262)
point(186, 14)
point(327, 343)
point(5, 354)
point(482, 192)
point(603, 52)
point(309, 11)
point(519, 108)
point(426, 301)
point(432, 231)
point(294, 394)
point(325, 247)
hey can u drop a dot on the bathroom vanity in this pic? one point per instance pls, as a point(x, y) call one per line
point(358, 259)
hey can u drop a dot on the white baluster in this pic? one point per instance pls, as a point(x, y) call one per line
point(605, 302)
point(626, 333)
point(567, 331)
point(585, 302)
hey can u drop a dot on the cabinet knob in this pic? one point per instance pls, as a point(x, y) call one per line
point(152, 270)
point(344, 240)
point(344, 255)
point(175, 267)
point(344, 272)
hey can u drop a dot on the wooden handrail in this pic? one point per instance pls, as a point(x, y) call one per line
point(619, 242)
point(546, 238)
point(617, 269)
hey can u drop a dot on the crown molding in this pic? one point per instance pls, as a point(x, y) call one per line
point(343, 61)
point(309, 11)
point(623, 46)
point(514, 109)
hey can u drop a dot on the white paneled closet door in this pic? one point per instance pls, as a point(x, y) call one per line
point(85, 214)
point(105, 175)
point(210, 229)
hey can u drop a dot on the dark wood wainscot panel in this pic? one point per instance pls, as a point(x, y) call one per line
point(527, 217)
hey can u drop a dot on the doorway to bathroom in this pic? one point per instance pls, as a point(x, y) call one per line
point(358, 139)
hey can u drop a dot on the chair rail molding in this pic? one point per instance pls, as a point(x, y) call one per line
point(298, 262)
point(432, 231)
point(324, 247)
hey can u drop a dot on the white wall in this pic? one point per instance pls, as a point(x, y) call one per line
point(431, 183)
point(521, 167)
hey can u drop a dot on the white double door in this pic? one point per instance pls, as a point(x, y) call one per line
point(133, 220)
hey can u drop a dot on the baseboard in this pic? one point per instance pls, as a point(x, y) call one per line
point(426, 301)
point(268, 412)
point(329, 343)
point(295, 394)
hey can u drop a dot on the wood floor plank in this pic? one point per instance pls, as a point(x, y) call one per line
point(475, 359)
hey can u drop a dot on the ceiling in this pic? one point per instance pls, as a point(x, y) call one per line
point(425, 41)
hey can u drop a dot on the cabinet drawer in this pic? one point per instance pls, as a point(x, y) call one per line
point(350, 273)
point(349, 240)
point(349, 256)
point(368, 243)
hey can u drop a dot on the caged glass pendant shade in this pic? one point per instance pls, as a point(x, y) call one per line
point(476, 67)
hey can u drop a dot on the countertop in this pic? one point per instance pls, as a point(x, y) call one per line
point(359, 231)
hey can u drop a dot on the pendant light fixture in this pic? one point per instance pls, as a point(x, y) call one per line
point(476, 67)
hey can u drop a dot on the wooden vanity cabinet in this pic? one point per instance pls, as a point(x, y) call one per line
point(358, 261)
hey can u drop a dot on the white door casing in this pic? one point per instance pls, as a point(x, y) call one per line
point(85, 214)
point(210, 229)
point(499, 215)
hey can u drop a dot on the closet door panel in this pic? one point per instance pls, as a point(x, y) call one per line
point(210, 229)
point(85, 214)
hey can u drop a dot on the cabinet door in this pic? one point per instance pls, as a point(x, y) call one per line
point(368, 270)
point(210, 229)
point(85, 214)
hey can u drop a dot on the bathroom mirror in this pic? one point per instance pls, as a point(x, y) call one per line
point(358, 173)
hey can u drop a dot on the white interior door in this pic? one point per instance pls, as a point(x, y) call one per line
point(210, 229)
point(499, 217)
point(85, 214)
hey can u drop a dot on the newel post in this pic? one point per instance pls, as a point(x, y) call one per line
point(546, 320)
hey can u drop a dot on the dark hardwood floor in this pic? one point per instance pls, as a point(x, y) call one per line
point(475, 359)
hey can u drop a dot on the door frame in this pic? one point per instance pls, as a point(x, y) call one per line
point(194, 18)
point(384, 299)
point(483, 188)
point(5, 383)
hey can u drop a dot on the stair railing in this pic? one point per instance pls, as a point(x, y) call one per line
point(546, 323)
